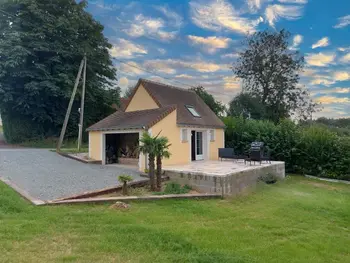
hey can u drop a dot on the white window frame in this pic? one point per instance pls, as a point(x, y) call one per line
point(184, 135)
point(212, 135)
point(193, 111)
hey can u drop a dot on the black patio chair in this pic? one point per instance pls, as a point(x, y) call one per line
point(267, 155)
point(229, 153)
point(254, 156)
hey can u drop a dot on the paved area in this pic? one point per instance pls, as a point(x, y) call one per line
point(218, 168)
point(46, 175)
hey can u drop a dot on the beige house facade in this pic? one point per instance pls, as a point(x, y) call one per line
point(194, 131)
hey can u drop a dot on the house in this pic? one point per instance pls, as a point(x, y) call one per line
point(193, 129)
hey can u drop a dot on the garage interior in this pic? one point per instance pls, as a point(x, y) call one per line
point(122, 148)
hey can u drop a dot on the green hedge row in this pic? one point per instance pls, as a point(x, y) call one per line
point(313, 150)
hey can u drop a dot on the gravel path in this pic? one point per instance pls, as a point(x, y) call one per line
point(46, 175)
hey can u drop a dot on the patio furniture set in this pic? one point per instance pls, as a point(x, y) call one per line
point(256, 154)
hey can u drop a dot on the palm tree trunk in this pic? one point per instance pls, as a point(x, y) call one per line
point(125, 189)
point(151, 172)
point(159, 173)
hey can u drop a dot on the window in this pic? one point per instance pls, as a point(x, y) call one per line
point(193, 111)
point(212, 135)
point(184, 135)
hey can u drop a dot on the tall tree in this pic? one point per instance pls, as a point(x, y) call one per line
point(247, 106)
point(41, 44)
point(270, 71)
point(128, 92)
point(216, 106)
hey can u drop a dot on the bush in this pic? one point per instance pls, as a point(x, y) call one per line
point(175, 188)
point(268, 178)
point(312, 149)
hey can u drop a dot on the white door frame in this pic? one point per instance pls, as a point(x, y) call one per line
point(205, 142)
point(199, 156)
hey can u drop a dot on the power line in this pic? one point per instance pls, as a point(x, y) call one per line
point(155, 74)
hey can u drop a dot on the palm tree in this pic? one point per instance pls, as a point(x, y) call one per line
point(124, 179)
point(148, 146)
point(162, 146)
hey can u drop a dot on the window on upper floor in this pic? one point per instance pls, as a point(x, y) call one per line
point(193, 111)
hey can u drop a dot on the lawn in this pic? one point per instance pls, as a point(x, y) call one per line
point(298, 220)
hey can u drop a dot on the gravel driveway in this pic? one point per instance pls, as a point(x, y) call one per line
point(46, 175)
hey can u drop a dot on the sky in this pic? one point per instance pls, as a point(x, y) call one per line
point(191, 43)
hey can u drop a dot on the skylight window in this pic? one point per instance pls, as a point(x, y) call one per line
point(193, 111)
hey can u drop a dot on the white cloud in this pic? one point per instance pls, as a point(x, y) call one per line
point(231, 82)
point(293, 1)
point(308, 72)
point(322, 81)
point(126, 49)
point(171, 65)
point(149, 27)
point(161, 51)
point(219, 14)
point(297, 40)
point(343, 22)
point(346, 58)
point(343, 49)
point(332, 100)
point(341, 90)
point(123, 82)
point(230, 55)
point(319, 59)
point(176, 19)
point(132, 68)
point(255, 5)
point(210, 44)
point(323, 42)
point(274, 12)
point(341, 76)
point(184, 76)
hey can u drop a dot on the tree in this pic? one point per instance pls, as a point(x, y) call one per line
point(41, 44)
point(247, 106)
point(148, 146)
point(216, 106)
point(129, 91)
point(162, 147)
point(270, 71)
point(124, 179)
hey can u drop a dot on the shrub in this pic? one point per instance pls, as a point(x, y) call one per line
point(268, 178)
point(175, 188)
point(312, 149)
point(124, 179)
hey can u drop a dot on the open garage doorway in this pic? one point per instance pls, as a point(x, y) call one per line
point(122, 148)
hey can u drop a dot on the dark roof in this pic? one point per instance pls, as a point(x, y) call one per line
point(132, 120)
point(165, 95)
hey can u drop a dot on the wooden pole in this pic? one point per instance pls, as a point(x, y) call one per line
point(64, 127)
point(80, 135)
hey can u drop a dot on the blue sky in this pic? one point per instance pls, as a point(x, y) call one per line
point(195, 42)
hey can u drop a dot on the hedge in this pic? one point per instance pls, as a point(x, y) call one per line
point(313, 149)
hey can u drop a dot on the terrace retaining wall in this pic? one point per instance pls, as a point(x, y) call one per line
point(230, 184)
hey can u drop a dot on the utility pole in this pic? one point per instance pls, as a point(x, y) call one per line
point(64, 127)
point(80, 135)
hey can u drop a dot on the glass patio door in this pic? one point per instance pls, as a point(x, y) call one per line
point(199, 145)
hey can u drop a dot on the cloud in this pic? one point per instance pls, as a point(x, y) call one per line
point(343, 49)
point(132, 68)
point(323, 42)
point(341, 90)
point(308, 72)
point(123, 82)
point(255, 5)
point(184, 76)
point(346, 58)
point(293, 1)
point(341, 76)
point(332, 100)
point(210, 44)
point(274, 12)
point(126, 49)
point(343, 22)
point(177, 20)
point(161, 51)
point(297, 40)
point(322, 81)
point(149, 27)
point(231, 82)
point(171, 65)
point(219, 14)
point(230, 55)
point(320, 59)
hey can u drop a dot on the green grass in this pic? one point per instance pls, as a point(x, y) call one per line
point(51, 143)
point(298, 220)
